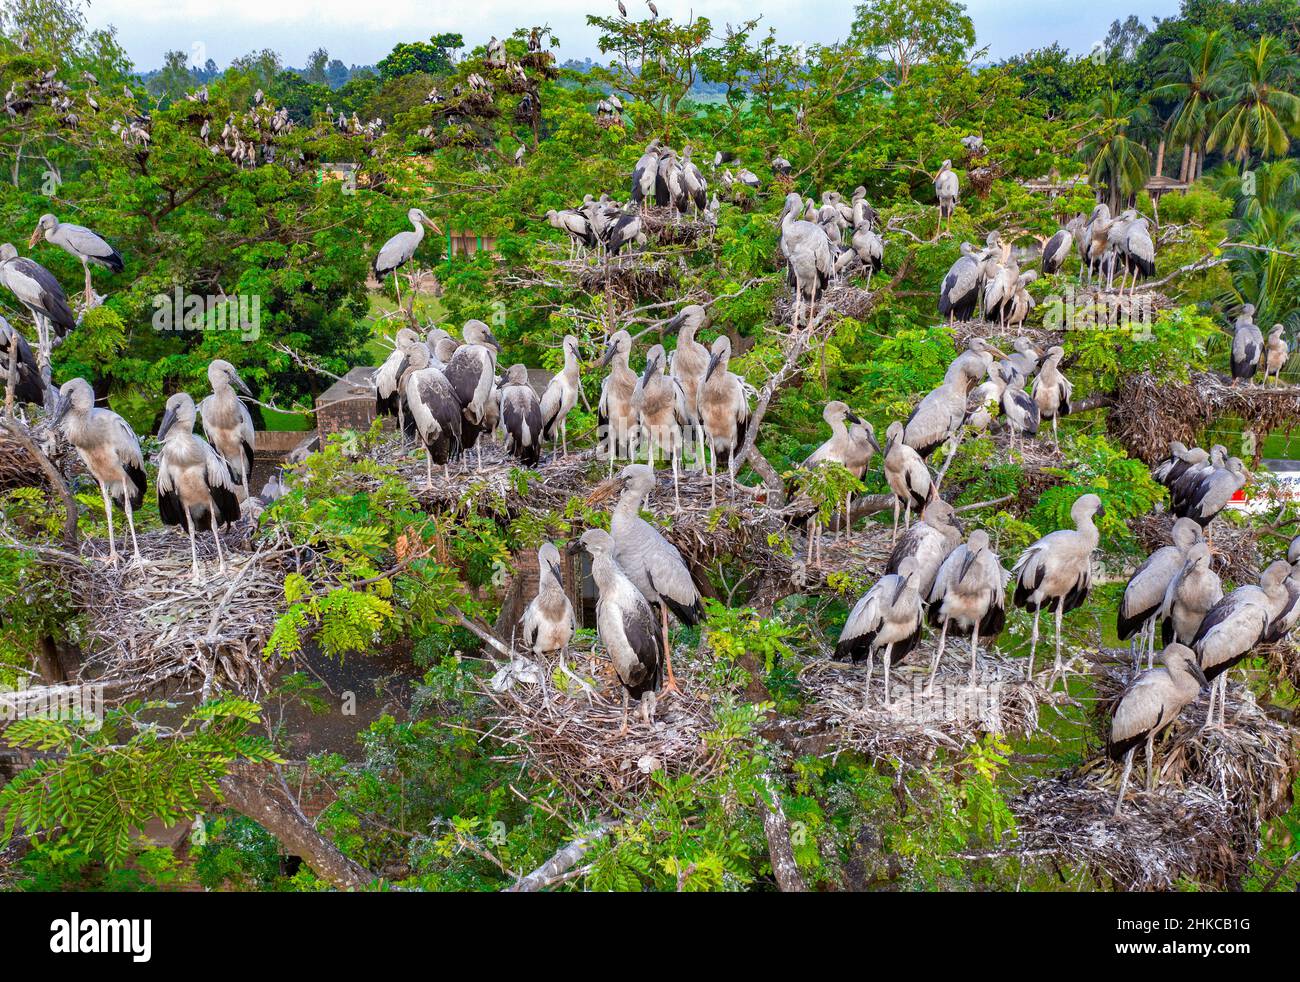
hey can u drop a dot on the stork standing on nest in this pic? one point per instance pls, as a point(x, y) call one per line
point(433, 410)
point(625, 625)
point(927, 543)
point(1056, 251)
point(660, 406)
point(39, 292)
point(907, 475)
point(644, 174)
point(689, 363)
point(227, 423)
point(110, 450)
point(1234, 625)
point(1052, 390)
point(472, 374)
point(1275, 354)
point(1171, 468)
point(1150, 703)
point(946, 189)
point(548, 621)
point(888, 618)
point(852, 449)
point(724, 409)
point(1212, 494)
point(615, 414)
point(968, 598)
point(1247, 345)
point(959, 294)
point(938, 417)
point(651, 561)
point(1144, 594)
point(1056, 572)
point(1194, 589)
point(582, 237)
point(561, 396)
point(388, 398)
point(195, 489)
point(79, 241)
point(400, 249)
point(1019, 408)
point(808, 255)
point(521, 414)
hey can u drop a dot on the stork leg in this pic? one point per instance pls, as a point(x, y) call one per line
point(1209, 710)
point(648, 701)
point(108, 513)
point(974, 653)
point(1151, 774)
point(397, 288)
point(564, 436)
point(216, 537)
point(871, 666)
point(889, 649)
point(622, 730)
point(671, 684)
point(894, 538)
point(677, 491)
point(1033, 644)
point(428, 470)
point(847, 520)
point(130, 524)
point(713, 478)
point(938, 655)
point(1056, 664)
point(194, 552)
point(1123, 781)
point(90, 287)
point(1151, 645)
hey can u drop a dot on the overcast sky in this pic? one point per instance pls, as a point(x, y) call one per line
point(363, 32)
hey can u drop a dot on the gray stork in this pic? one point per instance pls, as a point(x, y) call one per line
point(443, 348)
point(939, 415)
point(1056, 251)
point(195, 489)
point(1151, 702)
point(561, 396)
point(1247, 345)
point(724, 411)
point(80, 242)
point(1144, 595)
point(38, 291)
point(660, 407)
point(1093, 243)
point(689, 363)
point(472, 374)
point(1194, 589)
point(1186, 473)
point(31, 386)
point(1234, 625)
point(667, 179)
point(960, 291)
point(946, 189)
point(582, 237)
point(694, 185)
point(1024, 356)
point(968, 598)
point(927, 543)
point(852, 449)
point(808, 254)
point(625, 626)
point(433, 410)
point(388, 377)
point(227, 424)
point(1019, 408)
point(1000, 288)
point(615, 415)
point(650, 561)
point(548, 621)
point(625, 229)
point(398, 250)
point(1164, 471)
point(907, 475)
point(521, 414)
point(1017, 308)
point(1216, 490)
point(1052, 390)
point(1136, 252)
point(1276, 353)
point(110, 450)
point(1056, 572)
point(888, 617)
point(869, 248)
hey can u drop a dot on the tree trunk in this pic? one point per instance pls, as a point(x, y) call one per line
point(780, 851)
point(1160, 160)
point(1192, 169)
point(1182, 168)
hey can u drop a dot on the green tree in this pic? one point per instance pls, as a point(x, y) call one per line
point(1117, 159)
point(432, 57)
point(907, 32)
point(1191, 73)
point(1258, 110)
point(174, 79)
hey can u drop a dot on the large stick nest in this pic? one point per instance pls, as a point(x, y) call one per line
point(629, 275)
point(19, 469)
point(1150, 412)
point(1235, 553)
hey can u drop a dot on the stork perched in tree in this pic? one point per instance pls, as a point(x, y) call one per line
point(968, 597)
point(851, 449)
point(39, 292)
point(1144, 595)
point(1276, 353)
point(615, 414)
point(227, 423)
point(1018, 407)
point(689, 363)
point(907, 475)
point(651, 562)
point(1052, 390)
point(399, 250)
point(724, 411)
point(960, 292)
point(939, 415)
point(548, 622)
point(660, 406)
point(1194, 589)
point(110, 450)
point(521, 415)
point(472, 374)
point(561, 396)
point(81, 242)
point(928, 543)
point(433, 410)
point(625, 626)
point(1094, 242)
point(946, 189)
point(388, 398)
point(582, 237)
point(1247, 345)
point(1150, 703)
point(888, 618)
point(1056, 572)
point(1213, 492)
point(694, 186)
point(1056, 251)
point(30, 385)
point(808, 254)
point(195, 489)
point(645, 173)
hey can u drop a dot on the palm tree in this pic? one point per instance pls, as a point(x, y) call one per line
point(1192, 73)
point(1120, 162)
point(1257, 110)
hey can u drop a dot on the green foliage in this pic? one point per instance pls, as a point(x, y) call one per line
point(1096, 467)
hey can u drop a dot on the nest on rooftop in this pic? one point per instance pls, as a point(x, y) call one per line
point(568, 726)
point(1149, 412)
point(154, 630)
point(917, 724)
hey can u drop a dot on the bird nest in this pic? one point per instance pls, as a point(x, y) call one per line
point(846, 300)
point(1150, 412)
point(629, 274)
point(1235, 553)
point(1201, 823)
point(668, 229)
point(19, 469)
point(567, 724)
point(919, 721)
point(154, 630)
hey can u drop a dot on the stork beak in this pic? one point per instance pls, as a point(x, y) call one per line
point(1101, 510)
point(61, 409)
point(713, 363)
point(490, 338)
point(676, 323)
point(852, 417)
point(168, 419)
point(1198, 673)
point(573, 548)
point(431, 225)
point(609, 355)
point(871, 439)
point(36, 237)
point(556, 570)
point(902, 585)
point(241, 385)
point(650, 366)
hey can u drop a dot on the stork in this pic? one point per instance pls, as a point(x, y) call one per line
point(689, 363)
point(927, 543)
point(1052, 390)
point(961, 286)
point(433, 410)
point(1056, 251)
point(548, 622)
point(1194, 589)
point(1144, 595)
point(852, 449)
point(939, 415)
point(1056, 572)
point(907, 475)
point(645, 173)
point(472, 374)
point(888, 617)
point(110, 450)
point(1247, 345)
point(521, 414)
point(582, 236)
point(388, 398)
point(561, 396)
point(1275, 354)
point(399, 250)
point(968, 598)
point(808, 255)
point(660, 407)
point(195, 489)
point(724, 410)
point(39, 292)
point(615, 414)
point(1215, 490)
point(81, 242)
point(946, 189)
point(227, 423)
point(1151, 702)
point(31, 386)
point(1019, 409)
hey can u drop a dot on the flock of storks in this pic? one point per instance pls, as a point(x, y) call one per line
point(449, 395)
